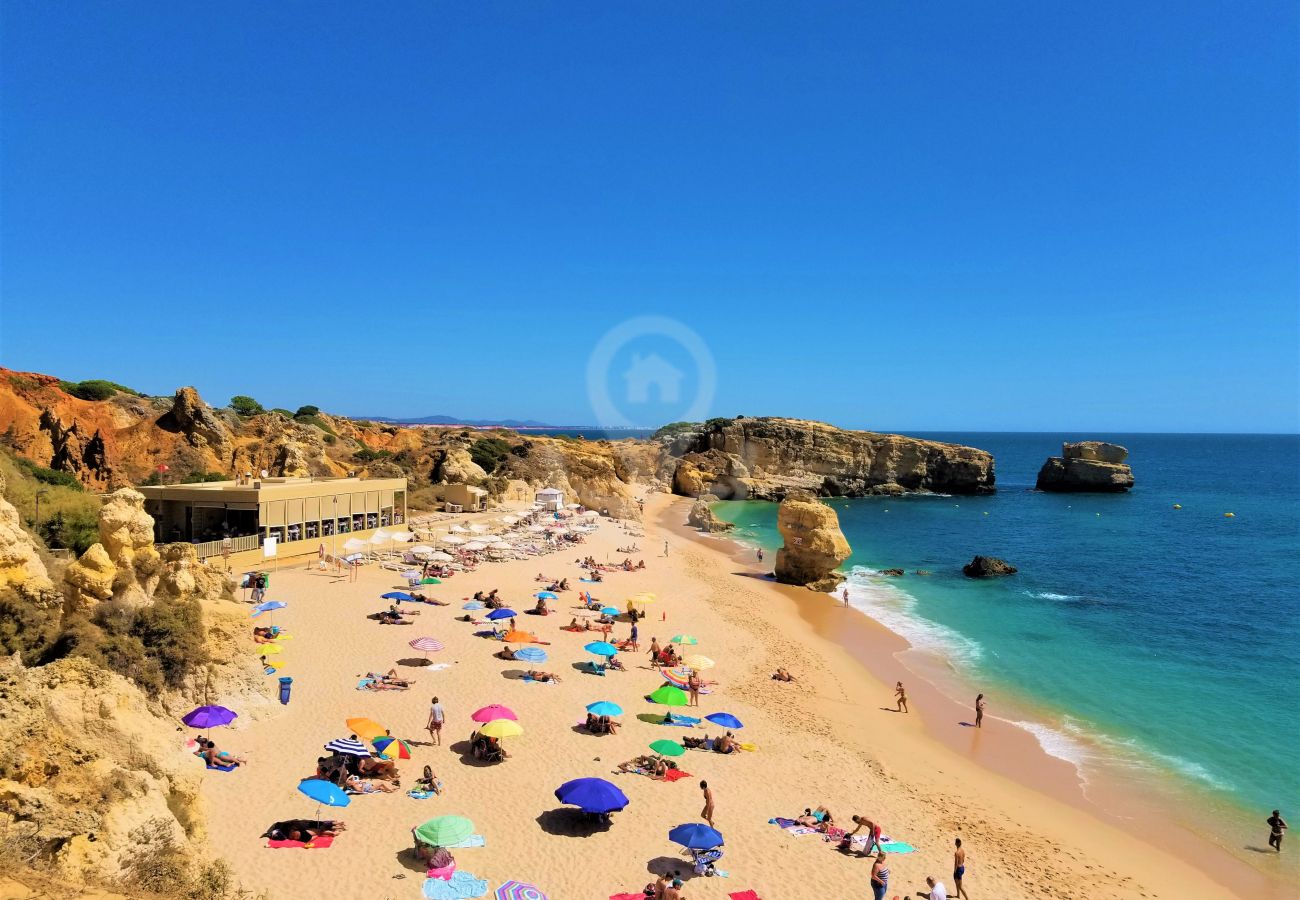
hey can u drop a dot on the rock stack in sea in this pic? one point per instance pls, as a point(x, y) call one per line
point(814, 547)
point(702, 516)
point(1087, 466)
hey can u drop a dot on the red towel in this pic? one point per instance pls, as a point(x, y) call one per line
point(640, 896)
point(676, 774)
point(317, 843)
point(744, 895)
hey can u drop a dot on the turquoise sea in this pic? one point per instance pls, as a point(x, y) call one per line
point(1139, 635)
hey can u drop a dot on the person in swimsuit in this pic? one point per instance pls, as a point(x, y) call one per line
point(879, 877)
point(959, 870)
point(900, 695)
point(707, 813)
point(979, 711)
point(1276, 825)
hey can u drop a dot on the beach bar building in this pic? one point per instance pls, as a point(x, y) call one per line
point(300, 513)
point(549, 499)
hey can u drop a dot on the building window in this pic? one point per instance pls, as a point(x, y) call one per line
point(313, 530)
point(345, 525)
point(327, 528)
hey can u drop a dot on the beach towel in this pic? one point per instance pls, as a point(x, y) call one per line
point(781, 823)
point(676, 775)
point(459, 887)
point(474, 840)
point(365, 683)
point(640, 896)
point(590, 581)
point(800, 829)
point(419, 795)
point(229, 768)
point(750, 747)
point(744, 895)
point(897, 847)
point(682, 722)
point(434, 667)
point(532, 680)
point(320, 842)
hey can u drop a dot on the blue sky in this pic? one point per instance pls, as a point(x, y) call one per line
point(914, 216)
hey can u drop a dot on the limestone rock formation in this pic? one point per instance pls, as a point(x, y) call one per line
point(292, 461)
point(702, 516)
point(987, 567)
point(23, 576)
point(454, 465)
point(73, 452)
point(1087, 467)
point(91, 578)
point(767, 458)
point(183, 577)
point(196, 420)
point(814, 547)
point(126, 533)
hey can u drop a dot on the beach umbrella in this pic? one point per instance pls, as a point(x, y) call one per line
point(685, 640)
point(501, 728)
point(696, 836)
point(510, 520)
point(421, 549)
point(439, 556)
point(609, 611)
point(269, 606)
point(480, 528)
point(367, 728)
point(698, 662)
point(209, 717)
point(501, 546)
point(322, 791)
point(604, 708)
point(461, 528)
point(601, 648)
point(451, 539)
point(476, 546)
point(492, 712)
point(593, 795)
point(726, 720)
point(547, 595)
point(396, 595)
point(677, 677)
point(643, 597)
point(410, 573)
point(667, 748)
point(669, 695)
point(519, 637)
point(473, 604)
point(347, 747)
point(445, 830)
point(498, 614)
point(402, 537)
point(426, 645)
point(392, 748)
point(352, 545)
point(518, 890)
point(429, 579)
point(530, 654)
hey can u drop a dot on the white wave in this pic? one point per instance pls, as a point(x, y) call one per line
point(1048, 595)
point(896, 610)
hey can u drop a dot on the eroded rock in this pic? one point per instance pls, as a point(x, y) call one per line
point(814, 547)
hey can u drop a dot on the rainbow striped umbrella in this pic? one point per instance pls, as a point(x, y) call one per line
point(517, 890)
point(681, 677)
point(392, 748)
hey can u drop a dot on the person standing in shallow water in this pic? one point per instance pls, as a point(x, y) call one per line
point(900, 695)
point(979, 711)
point(846, 596)
point(1276, 825)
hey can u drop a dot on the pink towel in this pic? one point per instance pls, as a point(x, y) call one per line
point(444, 873)
point(640, 896)
point(744, 895)
point(317, 843)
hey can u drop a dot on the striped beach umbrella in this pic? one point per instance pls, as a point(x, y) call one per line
point(348, 747)
point(698, 662)
point(686, 640)
point(517, 890)
point(392, 748)
point(530, 654)
point(426, 645)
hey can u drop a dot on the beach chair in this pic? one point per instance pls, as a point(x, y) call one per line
point(703, 861)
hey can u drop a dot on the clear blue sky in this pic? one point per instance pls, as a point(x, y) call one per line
point(892, 215)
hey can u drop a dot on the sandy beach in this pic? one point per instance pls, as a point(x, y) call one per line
point(821, 740)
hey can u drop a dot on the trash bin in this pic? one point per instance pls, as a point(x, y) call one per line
point(286, 685)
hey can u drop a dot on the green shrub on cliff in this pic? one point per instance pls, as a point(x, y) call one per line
point(674, 428)
point(245, 406)
point(489, 453)
point(96, 389)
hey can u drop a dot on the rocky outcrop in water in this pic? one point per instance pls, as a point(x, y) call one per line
point(768, 458)
point(987, 567)
point(1087, 467)
point(814, 547)
point(702, 516)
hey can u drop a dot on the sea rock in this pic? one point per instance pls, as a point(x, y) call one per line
point(893, 573)
point(987, 567)
point(91, 578)
point(814, 547)
point(23, 576)
point(1087, 467)
point(768, 458)
point(702, 516)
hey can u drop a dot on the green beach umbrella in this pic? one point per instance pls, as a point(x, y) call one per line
point(668, 695)
point(685, 640)
point(667, 748)
point(445, 830)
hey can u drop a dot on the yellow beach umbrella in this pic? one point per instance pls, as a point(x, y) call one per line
point(697, 662)
point(366, 729)
point(641, 598)
point(500, 728)
point(274, 663)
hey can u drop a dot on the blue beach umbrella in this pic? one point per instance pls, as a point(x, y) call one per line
point(593, 795)
point(268, 606)
point(696, 836)
point(726, 720)
point(473, 604)
point(497, 614)
point(601, 648)
point(605, 708)
point(396, 595)
point(323, 791)
point(547, 595)
point(531, 654)
point(609, 611)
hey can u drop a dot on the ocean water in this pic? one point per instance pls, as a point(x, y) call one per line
point(1152, 638)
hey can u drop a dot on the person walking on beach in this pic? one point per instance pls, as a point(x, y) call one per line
point(654, 652)
point(937, 890)
point(632, 638)
point(846, 596)
point(707, 813)
point(665, 548)
point(900, 695)
point(979, 711)
point(959, 872)
point(436, 718)
point(879, 877)
point(1276, 825)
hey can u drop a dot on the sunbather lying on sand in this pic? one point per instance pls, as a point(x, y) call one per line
point(263, 636)
point(420, 598)
point(782, 675)
point(542, 676)
point(391, 679)
point(575, 625)
point(645, 765)
point(358, 785)
point(303, 829)
point(214, 757)
point(505, 653)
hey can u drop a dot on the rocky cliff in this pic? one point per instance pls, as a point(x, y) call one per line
point(702, 516)
point(767, 458)
point(1087, 467)
point(814, 547)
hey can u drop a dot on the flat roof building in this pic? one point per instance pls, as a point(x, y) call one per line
point(292, 510)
